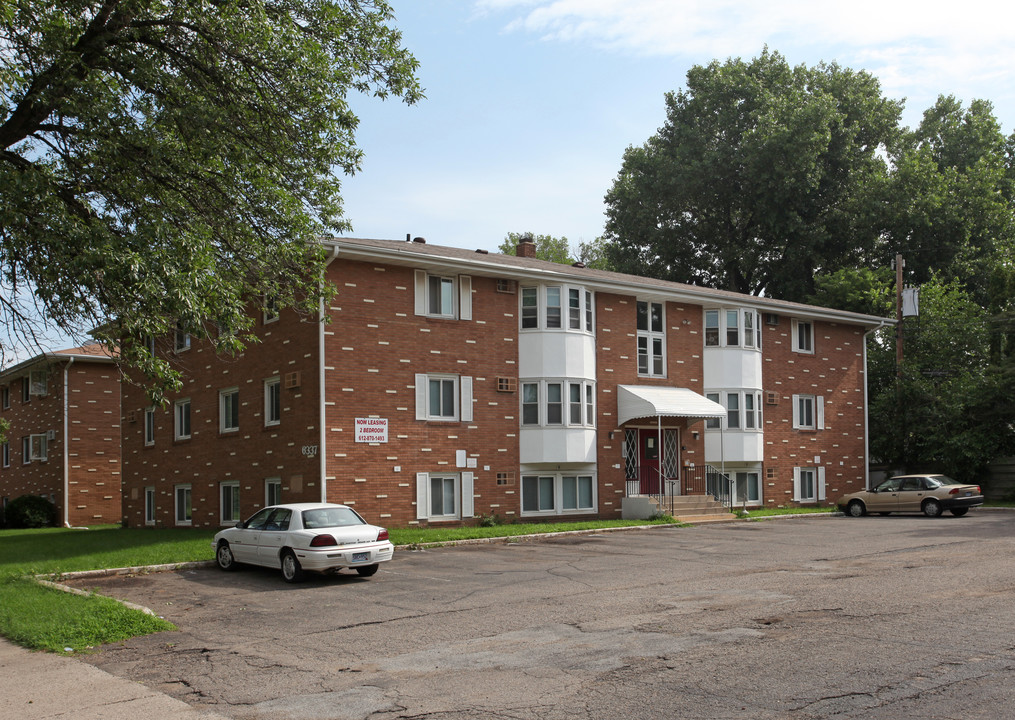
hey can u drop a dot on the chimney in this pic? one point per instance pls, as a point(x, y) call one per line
point(526, 247)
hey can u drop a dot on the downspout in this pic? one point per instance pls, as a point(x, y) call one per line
point(66, 436)
point(322, 408)
point(866, 412)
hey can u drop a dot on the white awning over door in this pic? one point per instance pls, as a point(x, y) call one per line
point(652, 401)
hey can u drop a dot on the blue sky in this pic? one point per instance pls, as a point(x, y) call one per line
point(531, 103)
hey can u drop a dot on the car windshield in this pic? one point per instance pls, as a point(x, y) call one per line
point(331, 517)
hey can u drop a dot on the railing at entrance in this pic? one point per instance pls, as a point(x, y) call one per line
point(698, 480)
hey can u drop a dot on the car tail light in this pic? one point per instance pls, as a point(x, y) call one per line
point(383, 534)
point(953, 491)
point(323, 541)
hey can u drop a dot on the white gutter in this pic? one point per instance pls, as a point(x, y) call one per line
point(66, 438)
point(866, 412)
point(323, 442)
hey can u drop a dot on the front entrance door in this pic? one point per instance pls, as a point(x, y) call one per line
point(649, 461)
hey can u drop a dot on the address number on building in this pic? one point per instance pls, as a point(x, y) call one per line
point(310, 451)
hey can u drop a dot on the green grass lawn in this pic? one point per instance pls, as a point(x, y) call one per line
point(42, 618)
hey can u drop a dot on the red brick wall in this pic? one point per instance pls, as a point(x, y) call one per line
point(94, 448)
point(375, 347)
point(835, 372)
point(250, 455)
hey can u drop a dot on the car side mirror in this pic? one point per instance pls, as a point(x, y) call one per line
point(242, 525)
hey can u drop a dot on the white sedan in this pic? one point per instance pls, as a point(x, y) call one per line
point(316, 537)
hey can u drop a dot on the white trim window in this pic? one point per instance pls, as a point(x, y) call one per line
point(803, 336)
point(39, 382)
point(269, 312)
point(808, 412)
point(558, 402)
point(808, 484)
point(229, 410)
point(5, 397)
point(26, 389)
point(651, 339)
point(556, 307)
point(444, 398)
point(40, 447)
point(149, 426)
point(560, 493)
point(6, 451)
point(748, 487)
point(181, 419)
point(229, 494)
point(445, 496)
point(26, 449)
point(272, 491)
point(181, 339)
point(443, 296)
point(733, 328)
point(273, 401)
point(184, 511)
point(743, 410)
point(149, 505)
point(713, 423)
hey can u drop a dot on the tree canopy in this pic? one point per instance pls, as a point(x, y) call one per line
point(591, 254)
point(760, 176)
point(165, 162)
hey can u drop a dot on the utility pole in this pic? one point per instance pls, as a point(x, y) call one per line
point(898, 264)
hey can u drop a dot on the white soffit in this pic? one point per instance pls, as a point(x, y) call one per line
point(649, 401)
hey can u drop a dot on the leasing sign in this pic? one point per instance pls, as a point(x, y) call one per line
point(371, 430)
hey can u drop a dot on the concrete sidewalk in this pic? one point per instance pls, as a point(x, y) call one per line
point(44, 685)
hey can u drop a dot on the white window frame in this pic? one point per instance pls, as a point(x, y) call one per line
point(26, 389)
point(554, 482)
point(227, 397)
point(273, 401)
point(817, 406)
point(149, 426)
point(268, 484)
point(535, 311)
point(461, 402)
point(181, 339)
point(796, 328)
point(714, 423)
point(460, 296)
point(5, 450)
point(819, 484)
point(651, 342)
point(149, 505)
point(269, 312)
point(5, 397)
point(26, 450)
point(546, 407)
point(746, 476)
point(183, 492)
point(229, 492)
point(464, 501)
point(182, 415)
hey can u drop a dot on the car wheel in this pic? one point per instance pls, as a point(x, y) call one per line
point(959, 512)
point(224, 556)
point(291, 570)
point(932, 508)
point(367, 570)
point(856, 509)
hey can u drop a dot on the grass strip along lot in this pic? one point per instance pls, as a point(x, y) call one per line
point(44, 618)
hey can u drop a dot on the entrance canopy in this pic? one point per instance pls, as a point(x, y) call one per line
point(650, 401)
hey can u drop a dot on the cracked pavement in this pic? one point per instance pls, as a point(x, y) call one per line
point(809, 617)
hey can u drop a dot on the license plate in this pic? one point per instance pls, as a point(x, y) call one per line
point(360, 557)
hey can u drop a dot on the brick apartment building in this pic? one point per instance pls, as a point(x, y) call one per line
point(64, 438)
point(451, 384)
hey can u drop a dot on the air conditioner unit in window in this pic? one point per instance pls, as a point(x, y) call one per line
point(51, 434)
point(506, 286)
point(771, 398)
point(292, 380)
point(131, 416)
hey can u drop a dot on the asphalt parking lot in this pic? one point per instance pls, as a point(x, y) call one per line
point(814, 617)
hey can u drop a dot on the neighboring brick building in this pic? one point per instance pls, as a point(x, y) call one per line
point(64, 436)
point(451, 384)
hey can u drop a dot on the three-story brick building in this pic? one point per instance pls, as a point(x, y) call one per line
point(450, 384)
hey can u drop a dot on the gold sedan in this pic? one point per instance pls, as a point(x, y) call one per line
point(929, 494)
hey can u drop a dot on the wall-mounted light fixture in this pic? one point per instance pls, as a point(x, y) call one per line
point(694, 434)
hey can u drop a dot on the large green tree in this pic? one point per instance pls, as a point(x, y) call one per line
point(762, 174)
point(168, 160)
